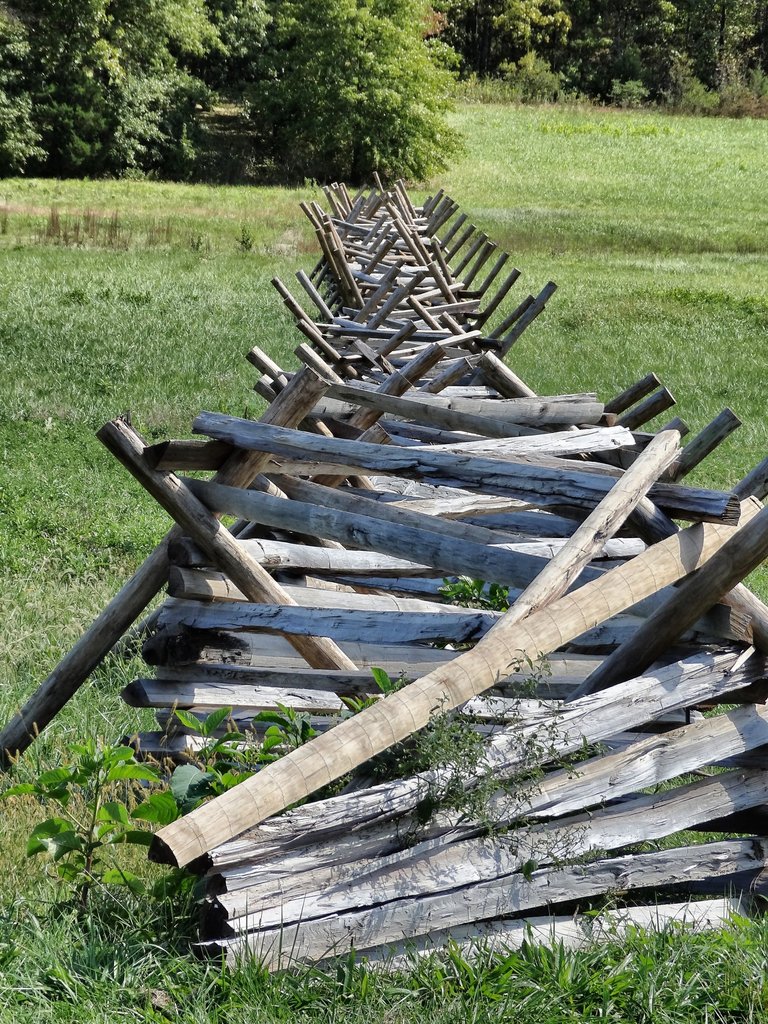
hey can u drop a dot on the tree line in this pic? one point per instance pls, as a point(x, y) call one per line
point(685, 53)
point(337, 88)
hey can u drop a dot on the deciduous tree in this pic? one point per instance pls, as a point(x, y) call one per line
point(346, 87)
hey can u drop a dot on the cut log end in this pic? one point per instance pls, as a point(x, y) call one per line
point(161, 853)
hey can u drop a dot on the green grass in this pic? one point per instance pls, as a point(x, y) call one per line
point(669, 978)
point(145, 297)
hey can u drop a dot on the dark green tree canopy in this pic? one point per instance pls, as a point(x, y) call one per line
point(346, 87)
point(328, 89)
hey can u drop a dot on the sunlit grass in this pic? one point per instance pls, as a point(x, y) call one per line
point(613, 181)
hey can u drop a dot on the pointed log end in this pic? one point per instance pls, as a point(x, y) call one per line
point(161, 853)
point(154, 453)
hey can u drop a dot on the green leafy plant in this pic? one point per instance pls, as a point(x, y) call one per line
point(343, 89)
point(96, 797)
point(384, 682)
point(288, 730)
point(471, 593)
point(532, 79)
point(630, 95)
point(225, 761)
point(221, 763)
point(245, 240)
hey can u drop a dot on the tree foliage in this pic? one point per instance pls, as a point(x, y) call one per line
point(491, 33)
point(18, 136)
point(339, 88)
point(346, 87)
point(592, 44)
point(106, 83)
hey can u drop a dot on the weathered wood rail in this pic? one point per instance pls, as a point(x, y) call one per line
point(403, 456)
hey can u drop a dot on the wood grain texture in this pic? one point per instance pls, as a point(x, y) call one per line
point(297, 399)
point(400, 714)
point(542, 484)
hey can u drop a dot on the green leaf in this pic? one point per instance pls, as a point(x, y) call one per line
point(53, 778)
point(214, 720)
point(133, 771)
point(231, 779)
point(188, 719)
point(20, 789)
point(189, 785)
point(382, 679)
point(54, 837)
point(115, 755)
point(114, 812)
point(71, 870)
point(528, 868)
point(272, 738)
point(132, 836)
point(159, 808)
point(280, 721)
point(116, 876)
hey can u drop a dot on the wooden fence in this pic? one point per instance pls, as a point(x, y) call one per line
point(616, 704)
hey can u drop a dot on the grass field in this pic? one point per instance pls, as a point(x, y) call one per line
point(146, 296)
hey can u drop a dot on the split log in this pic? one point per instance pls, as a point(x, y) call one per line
point(447, 623)
point(652, 406)
point(507, 383)
point(437, 550)
point(589, 538)
point(592, 719)
point(558, 444)
point(631, 395)
point(564, 672)
point(540, 484)
point(705, 442)
point(279, 555)
point(500, 418)
point(400, 714)
point(195, 648)
point(431, 892)
point(206, 529)
point(649, 762)
point(691, 599)
point(207, 585)
point(289, 409)
point(571, 932)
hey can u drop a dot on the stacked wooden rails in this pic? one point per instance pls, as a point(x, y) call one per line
point(619, 701)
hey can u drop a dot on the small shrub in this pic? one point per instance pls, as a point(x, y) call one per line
point(474, 89)
point(532, 79)
point(696, 98)
point(95, 795)
point(630, 95)
point(742, 92)
point(155, 125)
point(687, 94)
point(469, 593)
point(245, 239)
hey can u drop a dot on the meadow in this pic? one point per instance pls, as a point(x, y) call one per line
point(145, 296)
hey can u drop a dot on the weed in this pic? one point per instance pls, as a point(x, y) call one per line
point(246, 240)
point(471, 593)
point(160, 232)
point(200, 244)
point(223, 762)
point(95, 815)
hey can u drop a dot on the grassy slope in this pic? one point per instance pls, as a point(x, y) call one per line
point(655, 230)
